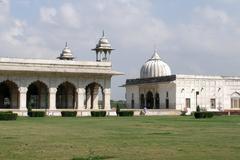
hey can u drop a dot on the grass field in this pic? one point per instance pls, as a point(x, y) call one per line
point(132, 138)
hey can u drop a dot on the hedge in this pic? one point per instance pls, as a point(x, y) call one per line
point(69, 113)
point(126, 113)
point(98, 113)
point(36, 113)
point(6, 116)
point(199, 115)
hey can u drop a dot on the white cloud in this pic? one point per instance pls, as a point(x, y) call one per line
point(213, 15)
point(4, 10)
point(69, 15)
point(132, 28)
point(47, 15)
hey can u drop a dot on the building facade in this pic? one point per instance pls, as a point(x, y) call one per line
point(56, 85)
point(158, 89)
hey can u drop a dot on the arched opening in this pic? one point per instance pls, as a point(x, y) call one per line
point(66, 96)
point(157, 101)
point(37, 95)
point(150, 100)
point(235, 100)
point(142, 101)
point(8, 95)
point(94, 96)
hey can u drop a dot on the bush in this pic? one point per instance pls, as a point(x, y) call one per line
point(208, 114)
point(98, 113)
point(126, 113)
point(69, 113)
point(36, 113)
point(6, 116)
point(199, 115)
point(198, 109)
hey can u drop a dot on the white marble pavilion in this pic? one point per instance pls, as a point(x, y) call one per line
point(158, 89)
point(59, 84)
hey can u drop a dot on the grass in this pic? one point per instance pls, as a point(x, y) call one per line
point(120, 138)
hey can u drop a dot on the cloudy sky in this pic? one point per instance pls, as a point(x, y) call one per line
point(192, 36)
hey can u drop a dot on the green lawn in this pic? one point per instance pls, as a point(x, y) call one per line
point(133, 138)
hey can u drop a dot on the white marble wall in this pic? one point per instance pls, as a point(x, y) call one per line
point(219, 88)
point(209, 87)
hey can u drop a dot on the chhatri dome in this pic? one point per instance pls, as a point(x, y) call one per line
point(66, 53)
point(103, 43)
point(103, 49)
point(155, 67)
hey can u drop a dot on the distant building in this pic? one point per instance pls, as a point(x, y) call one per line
point(158, 88)
point(60, 84)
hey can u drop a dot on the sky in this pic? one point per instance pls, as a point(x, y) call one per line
point(192, 37)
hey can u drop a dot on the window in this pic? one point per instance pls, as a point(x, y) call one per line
point(157, 101)
point(167, 94)
point(235, 103)
point(132, 102)
point(142, 100)
point(235, 100)
point(167, 103)
point(213, 103)
point(188, 103)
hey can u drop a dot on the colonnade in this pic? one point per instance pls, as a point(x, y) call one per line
point(80, 98)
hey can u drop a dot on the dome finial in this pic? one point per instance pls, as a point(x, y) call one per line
point(103, 34)
point(155, 48)
point(155, 55)
point(66, 44)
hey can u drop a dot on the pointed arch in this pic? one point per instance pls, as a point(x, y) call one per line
point(66, 96)
point(9, 95)
point(37, 95)
point(150, 100)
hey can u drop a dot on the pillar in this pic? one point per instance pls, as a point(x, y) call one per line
point(23, 98)
point(107, 98)
point(95, 98)
point(52, 98)
point(80, 98)
point(96, 56)
point(88, 99)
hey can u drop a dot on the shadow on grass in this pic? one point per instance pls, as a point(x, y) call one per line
point(160, 133)
point(93, 158)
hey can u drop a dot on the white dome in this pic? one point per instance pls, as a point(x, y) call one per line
point(155, 67)
point(66, 53)
point(103, 43)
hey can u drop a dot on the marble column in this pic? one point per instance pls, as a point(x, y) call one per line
point(80, 98)
point(107, 98)
point(52, 98)
point(95, 99)
point(88, 99)
point(23, 98)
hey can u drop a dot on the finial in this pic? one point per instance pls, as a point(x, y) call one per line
point(66, 44)
point(155, 48)
point(103, 33)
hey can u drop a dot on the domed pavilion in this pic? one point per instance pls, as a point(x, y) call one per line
point(162, 92)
